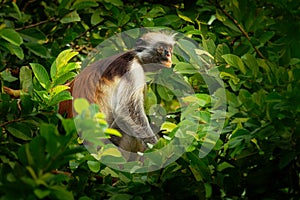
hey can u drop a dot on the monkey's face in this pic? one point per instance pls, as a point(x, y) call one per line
point(165, 52)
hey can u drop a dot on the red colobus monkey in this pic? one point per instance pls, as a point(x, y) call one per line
point(117, 85)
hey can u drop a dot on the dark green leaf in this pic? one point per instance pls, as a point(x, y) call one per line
point(164, 93)
point(11, 36)
point(19, 131)
point(37, 49)
point(33, 35)
point(14, 49)
point(117, 3)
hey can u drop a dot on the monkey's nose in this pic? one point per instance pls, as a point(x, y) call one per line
point(167, 53)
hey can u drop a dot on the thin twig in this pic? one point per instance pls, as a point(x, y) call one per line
point(36, 24)
point(240, 27)
point(12, 121)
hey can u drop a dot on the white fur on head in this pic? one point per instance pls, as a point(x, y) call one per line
point(154, 37)
point(151, 38)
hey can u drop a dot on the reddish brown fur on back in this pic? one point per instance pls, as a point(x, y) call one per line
point(92, 78)
point(65, 107)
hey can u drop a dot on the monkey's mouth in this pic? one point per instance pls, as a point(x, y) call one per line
point(167, 63)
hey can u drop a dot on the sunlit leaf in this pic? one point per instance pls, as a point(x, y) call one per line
point(81, 105)
point(71, 17)
point(41, 74)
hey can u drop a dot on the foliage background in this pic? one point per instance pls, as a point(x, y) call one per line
point(255, 46)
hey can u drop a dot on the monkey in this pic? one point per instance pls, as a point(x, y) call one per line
point(117, 85)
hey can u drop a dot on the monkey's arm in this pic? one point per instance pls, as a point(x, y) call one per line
point(128, 106)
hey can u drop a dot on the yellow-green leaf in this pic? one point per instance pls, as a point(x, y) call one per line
point(80, 105)
point(168, 126)
point(112, 152)
point(112, 131)
point(57, 89)
point(185, 18)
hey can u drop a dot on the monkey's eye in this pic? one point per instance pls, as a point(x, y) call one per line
point(160, 49)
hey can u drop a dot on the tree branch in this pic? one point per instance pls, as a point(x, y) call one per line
point(37, 24)
point(240, 27)
point(12, 121)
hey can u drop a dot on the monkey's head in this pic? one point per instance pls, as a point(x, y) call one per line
point(155, 47)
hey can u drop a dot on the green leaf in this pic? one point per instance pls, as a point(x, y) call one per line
point(58, 66)
point(58, 89)
point(185, 18)
point(14, 49)
point(221, 50)
point(71, 17)
point(165, 20)
point(94, 166)
point(123, 19)
point(11, 36)
point(17, 131)
point(150, 99)
point(33, 35)
point(62, 96)
point(200, 99)
point(25, 79)
point(96, 17)
point(209, 45)
point(37, 49)
point(50, 133)
point(112, 131)
point(41, 194)
point(80, 105)
point(235, 61)
point(61, 193)
point(117, 3)
point(155, 12)
point(121, 196)
point(38, 157)
point(294, 61)
point(203, 99)
point(82, 4)
point(168, 126)
point(233, 77)
point(164, 93)
point(185, 68)
point(6, 76)
point(41, 74)
point(266, 36)
point(17, 10)
point(64, 78)
point(112, 152)
point(252, 64)
point(43, 95)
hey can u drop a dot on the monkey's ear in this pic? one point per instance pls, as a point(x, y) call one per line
point(140, 43)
